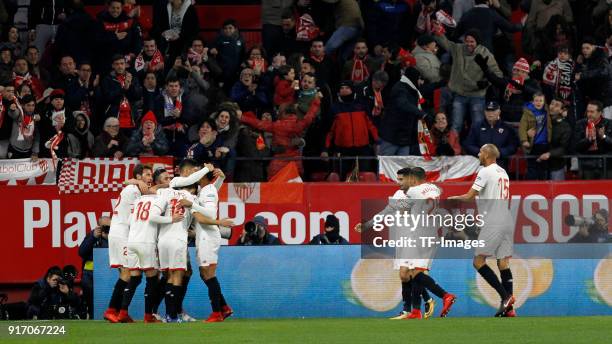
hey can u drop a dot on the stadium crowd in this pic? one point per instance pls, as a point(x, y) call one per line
point(330, 78)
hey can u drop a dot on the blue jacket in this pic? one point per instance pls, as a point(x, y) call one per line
point(501, 135)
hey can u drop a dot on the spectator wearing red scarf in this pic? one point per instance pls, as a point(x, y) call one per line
point(25, 136)
point(361, 66)
point(119, 91)
point(150, 59)
point(149, 139)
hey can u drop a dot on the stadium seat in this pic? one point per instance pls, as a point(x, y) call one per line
point(367, 177)
point(318, 176)
point(333, 177)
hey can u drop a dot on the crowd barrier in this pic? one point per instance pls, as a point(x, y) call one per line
point(333, 281)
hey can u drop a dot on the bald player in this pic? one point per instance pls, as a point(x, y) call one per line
point(492, 191)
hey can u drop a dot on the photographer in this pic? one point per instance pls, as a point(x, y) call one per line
point(98, 237)
point(332, 233)
point(593, 230)
point(52, 298)
point(256, 233)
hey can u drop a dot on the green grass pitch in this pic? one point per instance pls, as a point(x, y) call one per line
point(357, 330)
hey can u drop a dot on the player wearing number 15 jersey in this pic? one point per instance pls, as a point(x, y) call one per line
point(118, 236)
point(492, 186)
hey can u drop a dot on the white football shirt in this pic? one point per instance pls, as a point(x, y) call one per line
point(169, 203)
point(142, 229)
point(493, 186)
point(122, 211)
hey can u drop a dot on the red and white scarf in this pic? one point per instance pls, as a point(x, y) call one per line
point(378, 103)
point(125, 109)
point(360, 70)
point(169, 105)
point(591, 133)
point(558, 74)
point(305, 28)
point(26, 124)
point(20, 79)
point(259, 64)
point(156, 60)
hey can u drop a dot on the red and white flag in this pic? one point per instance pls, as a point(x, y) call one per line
point(438, 169)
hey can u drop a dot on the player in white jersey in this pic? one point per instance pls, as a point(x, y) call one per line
point(142, 253)
point(208, 241)
point(402, 265)
point(423, 200)
point(172, 245)
point(118, 236)
point(492, 186)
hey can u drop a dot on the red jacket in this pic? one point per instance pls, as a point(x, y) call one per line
point(351, 128)
point(286, 128)
point(283, 92)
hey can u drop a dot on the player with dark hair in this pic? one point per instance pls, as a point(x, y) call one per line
point(118, 236)
point(492, 185)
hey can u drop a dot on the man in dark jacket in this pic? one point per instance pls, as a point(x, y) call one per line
point(51, 297)
point(172, 114)
point(560, 140)
point(492, 130)
point(487, 21)
point(594, 76)
point(120, 89)
point(45, 16)
point(593, 136)
point(331, 236)
point(229, 49)
point(75, 33)
point(352, 131)
point(97, 238)
point(398, 127)
point(117, 33)
point(324, 65)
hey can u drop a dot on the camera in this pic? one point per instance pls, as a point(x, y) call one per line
point(105, 229)
point(573, 220)
point(250, 228)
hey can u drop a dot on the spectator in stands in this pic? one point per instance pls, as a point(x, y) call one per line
point(256, 233)
point(111, 143)
point(272, 29)
point(174, 116)
point(6, 65)
point(284, 130)
point(120, 91)
point(540, 12)
point(247, 92)
point(150, 92)
point(594, 75)
point(49, 294)
point(198, 55)
point(96, 238)
point(427, 62)
point(74, 34)
point(560, 140)
point(361, 66)
point(67, 73)
point(176, 25)
point(55, 130)
point(210, 147)
point(25, 135)
point(492, 130)
point(194, 85)
point(374, 96)
point(227, 125)
point(33, 57)
point(13, 41)
point(557, 33)
point(80, 91)
point(149, 139)
point(323, 64)
point(352, 131)
point(22, 76)
point(117, 34)
point(535, 133)
point(229, 50)
point(83, 134)
point(251, 145)
point(150, 59)
point(331, 236)
point(7, 101)
point(445, 138)
point(558, 76)
point(348, 26)
point(391, 64)
point(592, 136)
point(285, 86)
point(45, 16)
point(398, 128)
point(467, 79)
